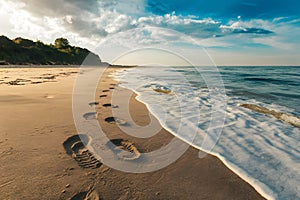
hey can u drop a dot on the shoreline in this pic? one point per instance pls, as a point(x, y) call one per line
point(251, 181)
point(134, 100)
point(35, 161)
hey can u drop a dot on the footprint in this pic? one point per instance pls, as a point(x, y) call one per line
point(74, 147)
point(90, 116)
point(105, 90)
point(109, 105)
point(84, 157)
point(16, 82)
point(113, 120)
point(93, 103)
point(110, 120)
point(130, 151)
point(7, 152)
point(49, 77)
point(36, 82)
point(91, 194)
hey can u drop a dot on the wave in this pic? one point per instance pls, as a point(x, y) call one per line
point(296, 96)
point(249, 94)
point(273, 81)
point(260, 149)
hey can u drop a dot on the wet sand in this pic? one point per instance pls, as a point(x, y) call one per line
point(41, 156)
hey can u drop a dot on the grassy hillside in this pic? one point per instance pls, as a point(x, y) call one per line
point(24, 51)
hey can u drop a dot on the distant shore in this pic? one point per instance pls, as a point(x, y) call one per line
point(102, 64)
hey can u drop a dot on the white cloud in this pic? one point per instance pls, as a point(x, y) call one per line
point(99, 18)
point(88, 22)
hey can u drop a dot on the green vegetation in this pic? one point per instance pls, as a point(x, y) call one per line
point(23, 51)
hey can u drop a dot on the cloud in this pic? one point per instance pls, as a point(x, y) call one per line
point(89, 22)
point(242, 27)
point(58, 8)
point(85, 17)
point(98, 19)
point(207, 27)
point(201, 28)
point(253, 30)
point(235, 26)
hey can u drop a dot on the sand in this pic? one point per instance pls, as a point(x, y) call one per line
point(42, 158)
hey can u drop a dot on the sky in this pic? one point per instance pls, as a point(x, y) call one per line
point(233, 32)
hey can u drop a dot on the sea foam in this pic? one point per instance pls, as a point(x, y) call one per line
point(261, 149)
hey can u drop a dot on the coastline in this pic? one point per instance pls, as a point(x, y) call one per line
point(260, 187)
point(239, 172)
point(188, 177)
point(190, 158)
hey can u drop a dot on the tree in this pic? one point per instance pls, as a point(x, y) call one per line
point(39, 43)
point(61, 43)
point(24, 42)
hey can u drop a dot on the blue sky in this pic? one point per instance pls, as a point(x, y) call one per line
point(227, 9)
point(233, 32)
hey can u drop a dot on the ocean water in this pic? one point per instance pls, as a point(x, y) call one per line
point(201, 106)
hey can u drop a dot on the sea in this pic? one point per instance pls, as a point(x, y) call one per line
point(202, 106)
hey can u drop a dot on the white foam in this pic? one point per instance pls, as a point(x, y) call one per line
point(260, 149)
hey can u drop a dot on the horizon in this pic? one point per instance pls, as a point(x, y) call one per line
point(234, 33)
point(123, 64)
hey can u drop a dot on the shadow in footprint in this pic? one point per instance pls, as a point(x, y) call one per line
point(86, 195)
point(90, 116)
point(79, 196)
point(130, 152)
point(106, 105)
point(74, 147)
point(104, 95)
point(109, 105)
point(118, 121)
point(105, 90)
point(94, 103)
point(111, 88)
point(110, 120)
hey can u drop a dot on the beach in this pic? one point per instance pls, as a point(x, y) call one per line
point(37, 129)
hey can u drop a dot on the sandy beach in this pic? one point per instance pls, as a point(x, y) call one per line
point(37, 130)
